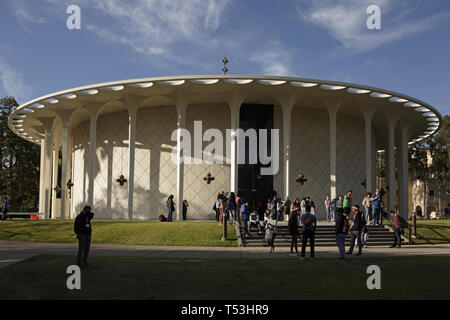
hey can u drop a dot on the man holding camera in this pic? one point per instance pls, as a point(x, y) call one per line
point(83, 230)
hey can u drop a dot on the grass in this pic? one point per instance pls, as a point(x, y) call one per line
point(185, 233)
point(44, 277)
point(430, 231)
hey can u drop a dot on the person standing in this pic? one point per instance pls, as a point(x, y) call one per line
point(287, 208)
point(170, 207)
point(83, 230)
point(356, 229)
point(366, 205)
point(347, 203)
point(376, 206)
point(5, 209)
point(271, 231)
point(293, 231)
point(185, 205)
point(295, 207)
point(245, 217)
point(340, 202)
point(333, 207)
point(340, 229)
point(309, 223)
point(397, 229)
point(231, 207)
point(303, 205)
point(217, 208)
point(328, 207)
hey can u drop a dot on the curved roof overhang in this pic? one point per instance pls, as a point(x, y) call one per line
point(27, 122)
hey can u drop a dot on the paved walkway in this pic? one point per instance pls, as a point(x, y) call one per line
point(15, 251)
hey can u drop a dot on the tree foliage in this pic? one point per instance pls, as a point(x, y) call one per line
point(435, 148)
point(19, 172)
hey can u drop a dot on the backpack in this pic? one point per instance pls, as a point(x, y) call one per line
point(345, 228)
point(308, 224)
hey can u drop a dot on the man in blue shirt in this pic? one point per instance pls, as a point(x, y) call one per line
point(5, 208)
point(245, 217)
point(309, 223)
point(376, 206)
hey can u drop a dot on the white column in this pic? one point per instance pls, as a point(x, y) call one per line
point(287, 104)
point(368, 114)
point(235, 115)
point(403, 173)
point(333, 107)
point(48, 174)
point(287, 148)
point(132, 113)
point(392, 121)
point(55, 156)
point(181, 124)
point(42, 177)
point(46, 166)
point(374, 162)
point(92, 156)
point(65, 151)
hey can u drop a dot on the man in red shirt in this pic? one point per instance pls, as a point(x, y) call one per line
point(397, 229)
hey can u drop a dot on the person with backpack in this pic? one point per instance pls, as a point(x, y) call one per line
point(340, 229)
point(398, 229)
point(309, 223)
point(356, 230)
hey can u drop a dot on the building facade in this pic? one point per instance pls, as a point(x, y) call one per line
point(93, 136)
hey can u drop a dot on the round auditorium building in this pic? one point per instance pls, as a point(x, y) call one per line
point(124, 147)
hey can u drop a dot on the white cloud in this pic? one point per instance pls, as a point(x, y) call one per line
point(154, 27)
point(275, 60)
point(346, 21)
point(12, 82)
point(24, 16)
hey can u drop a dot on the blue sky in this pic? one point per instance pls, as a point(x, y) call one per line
point(326, 40)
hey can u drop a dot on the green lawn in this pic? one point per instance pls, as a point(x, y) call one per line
point(185, 233)
point(44, 277)
point(430, 231)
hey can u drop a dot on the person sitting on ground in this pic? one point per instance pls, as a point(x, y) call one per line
point(254, 220)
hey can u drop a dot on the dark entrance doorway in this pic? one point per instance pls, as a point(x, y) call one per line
point(252, 186)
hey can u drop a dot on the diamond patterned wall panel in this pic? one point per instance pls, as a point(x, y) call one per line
point(155, 172)
point(350, 157)
point(200, 195)
point(80, 152)
point(311, 156)
point(110, 198)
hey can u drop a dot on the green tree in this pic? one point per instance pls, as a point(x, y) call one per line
point(19, 174)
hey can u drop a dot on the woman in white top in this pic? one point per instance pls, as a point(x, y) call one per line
point(271, 227)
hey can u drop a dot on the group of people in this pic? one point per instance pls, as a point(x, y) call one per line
point(372, 205)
